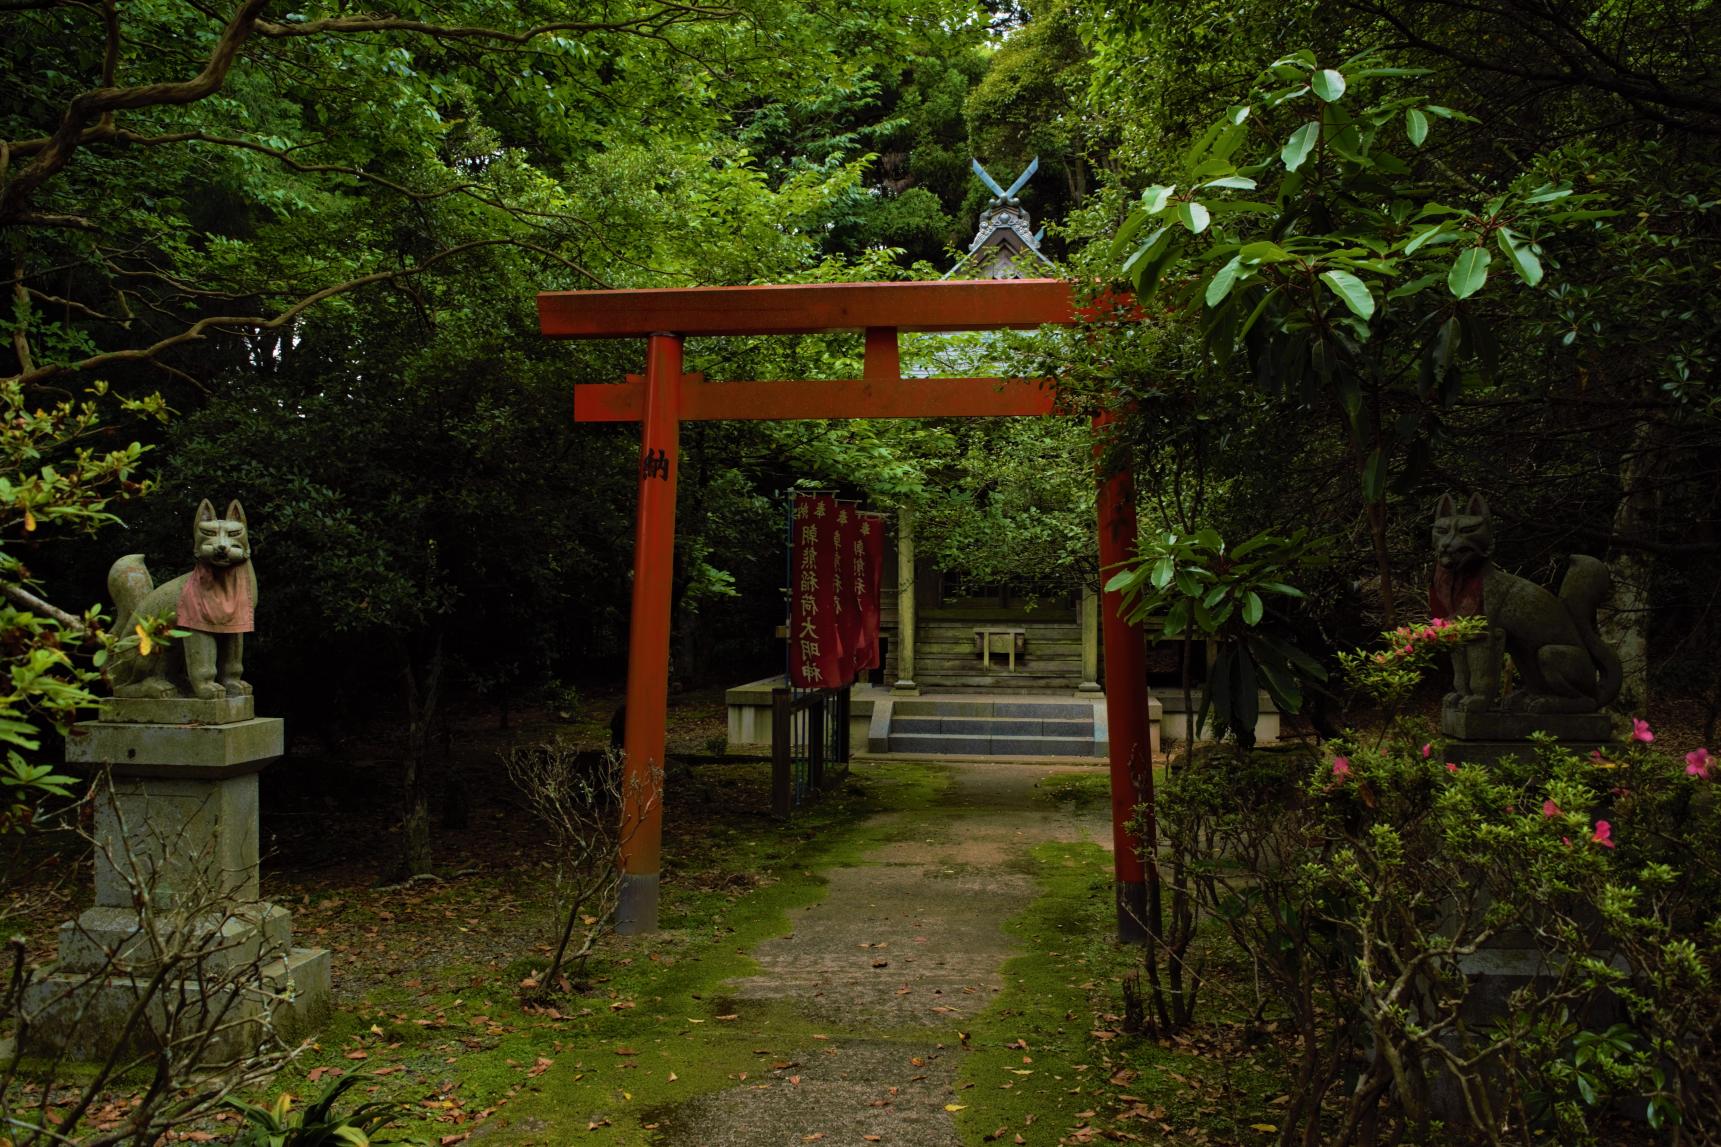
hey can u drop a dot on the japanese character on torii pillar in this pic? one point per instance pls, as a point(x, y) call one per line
point(663, 397)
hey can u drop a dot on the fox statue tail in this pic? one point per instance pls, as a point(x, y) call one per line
point(1587, 584)
point(128, 584)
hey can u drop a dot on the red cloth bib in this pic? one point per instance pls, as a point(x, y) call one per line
point(1455, 595)
point(217, 600)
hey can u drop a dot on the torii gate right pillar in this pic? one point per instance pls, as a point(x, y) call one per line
point(1129, 727)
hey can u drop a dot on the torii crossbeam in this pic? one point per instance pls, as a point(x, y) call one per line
point(664, 397)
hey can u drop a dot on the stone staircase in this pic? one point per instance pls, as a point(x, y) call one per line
point(946, 658)
point(1017, 727)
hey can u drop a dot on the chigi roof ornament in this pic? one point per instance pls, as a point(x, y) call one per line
point(1004, 232)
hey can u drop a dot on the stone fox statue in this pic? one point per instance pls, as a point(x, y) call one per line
point(1560, 658)
point(216, 602)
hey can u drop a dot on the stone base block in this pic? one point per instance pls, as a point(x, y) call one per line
point(1462, 752)
point(85, 1017)
point(181, 838)
point(177, 750)
point(1500, 725)
point(111, 939)
point(177, 710)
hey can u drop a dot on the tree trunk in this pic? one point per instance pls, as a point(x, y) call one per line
point(420, 693)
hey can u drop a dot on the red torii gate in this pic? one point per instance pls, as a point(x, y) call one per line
point(664, 397)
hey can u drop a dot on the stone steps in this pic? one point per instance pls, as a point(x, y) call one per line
point(1015, 728)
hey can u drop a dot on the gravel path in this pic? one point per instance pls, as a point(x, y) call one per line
point(905, 948)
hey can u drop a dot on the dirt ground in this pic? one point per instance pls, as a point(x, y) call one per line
point(906, 946)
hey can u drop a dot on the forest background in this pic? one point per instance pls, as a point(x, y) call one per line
point(317, 235)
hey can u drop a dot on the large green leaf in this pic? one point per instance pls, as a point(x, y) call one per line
point(1523, 259)
point(1147, 251)
point(1329, 85)
point(1301, 143)
point(1352, 290)
point(1156, 197)
point(1252, 608)
point(1469, 272)
point(1222, 282)
point(1192, 215)
point(1264, 251)
point(1415, 126)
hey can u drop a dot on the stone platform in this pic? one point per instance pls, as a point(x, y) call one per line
point(176, 894)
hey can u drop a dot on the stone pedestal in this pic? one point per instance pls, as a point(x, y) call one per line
point(1487, 736)
point(1511, 961)
point(176, 889)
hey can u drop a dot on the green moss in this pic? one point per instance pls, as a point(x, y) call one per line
point(658, 996)
point(1077, 1067)
point(1077, 790)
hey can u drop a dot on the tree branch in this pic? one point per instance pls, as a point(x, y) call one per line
point(652, 24)
point(200, 329)
point(24, 599)
point(99, 102)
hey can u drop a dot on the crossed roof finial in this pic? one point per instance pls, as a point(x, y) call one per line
point(1001, 195)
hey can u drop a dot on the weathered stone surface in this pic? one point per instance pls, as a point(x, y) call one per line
point(103, 938)
point(1498, 725)
point(83, 1016)
point(1563, 666)
point(177, 710)
point(213, 607)
point(177, 749)
point(177, 836)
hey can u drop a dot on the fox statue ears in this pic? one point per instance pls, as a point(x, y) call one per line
point(235, 512)
point(1477, 507)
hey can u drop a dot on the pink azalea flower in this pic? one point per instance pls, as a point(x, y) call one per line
point(1450, 767)
point(1697, 763)
point(1603, 835)
point(1438, 622)
point(1427, 749)
point(1640, 730)
point(1341, 767)
point(1549, 808)
point(1595, 755)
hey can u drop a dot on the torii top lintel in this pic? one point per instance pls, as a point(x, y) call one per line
point(812, 308)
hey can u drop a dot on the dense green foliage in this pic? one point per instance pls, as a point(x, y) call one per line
point(1369, 884)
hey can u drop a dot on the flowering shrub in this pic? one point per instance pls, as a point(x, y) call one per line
point(1371, 883)
point(1392, 673)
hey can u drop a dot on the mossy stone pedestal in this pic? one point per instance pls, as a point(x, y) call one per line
point(176, 875)
point(1511, 960)
point(1485, 736)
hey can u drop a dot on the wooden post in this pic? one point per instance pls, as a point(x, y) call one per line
point(648, 638)
point(782, 754)
point(1090, 619)
point(1126, 708)
point(905, 602)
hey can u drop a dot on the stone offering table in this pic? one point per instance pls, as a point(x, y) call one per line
point(176, 879)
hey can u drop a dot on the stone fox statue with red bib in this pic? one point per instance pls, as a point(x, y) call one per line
point(1563, 666)
point(215, 603)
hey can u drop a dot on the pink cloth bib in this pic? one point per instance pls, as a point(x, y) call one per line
point(217, 600)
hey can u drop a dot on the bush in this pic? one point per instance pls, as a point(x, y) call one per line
point(1364, 883)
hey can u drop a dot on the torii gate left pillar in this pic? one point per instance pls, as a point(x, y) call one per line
point(648, 635)
point(663, 397)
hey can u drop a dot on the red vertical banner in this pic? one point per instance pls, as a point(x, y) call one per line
point(846, 604)
point(868, 567)
point(815, 648)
